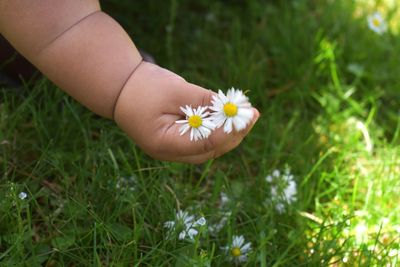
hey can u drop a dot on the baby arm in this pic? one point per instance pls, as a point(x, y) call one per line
point(87, 54)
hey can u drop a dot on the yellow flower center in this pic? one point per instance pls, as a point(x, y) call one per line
point(195, 121)
point(230, 109)
point(376, 22)
point(235, 252)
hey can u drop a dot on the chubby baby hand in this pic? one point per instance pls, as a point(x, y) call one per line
point(149, 106)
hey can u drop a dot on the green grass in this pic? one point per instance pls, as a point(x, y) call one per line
point(328, 91)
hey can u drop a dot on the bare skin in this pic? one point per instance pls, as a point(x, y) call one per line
point(88, 55)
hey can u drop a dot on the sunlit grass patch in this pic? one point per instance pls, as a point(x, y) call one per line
point(363, 209)
point(361, 192)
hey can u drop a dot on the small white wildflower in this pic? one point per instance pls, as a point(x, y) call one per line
point(197, 121)
point(280, 207)
point(202, 221)
point(394, 253)
point(224, 200)
point(22, 195)
point(232, 110)
point(126, 183)
point(345, 259)
point(214, 229)
point(169, 28)
point(224, 214)
point(192, 233)
point(276, 173)
point(283, 189)
point(185, 224)
point(376, 23)
point(238, 251)
point(210, 17)
point(182, 235)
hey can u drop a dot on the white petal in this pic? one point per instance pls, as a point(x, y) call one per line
point(200, 110)
point(228, 125)
point(180, 214)
point(202, 221)
point(205, 115)
point(218, 120)
point(239, 241)
point(209, 124)
point(222, 97)
point(216, 101)
point(230, 93)
point(242, 258)
point(238, 123)
point(192, 232)
point(192, 134)
point(188, 219)
point(169, 224)
point(245, 113)
point(182, 235)
point(204, 111)
point(246, 248)
point(243, 103)
point(202, 134)
point(184, 129)
point(204, 131)
point(187, 110)
point(183, 110)
point(238, 98)
point(236, 241)
point(196, 134)
point(216, 108)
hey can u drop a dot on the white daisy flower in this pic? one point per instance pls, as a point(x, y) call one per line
point(377, 23)
point(197, 122)
point(238, 251)
point(22, 195)
point(185, 224)
point(232, 110)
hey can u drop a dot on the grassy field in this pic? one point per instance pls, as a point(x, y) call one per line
point(316, 183)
